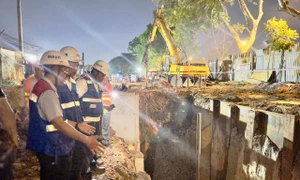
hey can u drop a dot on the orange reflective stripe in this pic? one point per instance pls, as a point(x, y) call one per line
point(106, 99)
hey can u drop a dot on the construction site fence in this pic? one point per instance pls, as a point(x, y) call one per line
point(242, 66)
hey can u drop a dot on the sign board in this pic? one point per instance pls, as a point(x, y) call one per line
point(133, 78)
point(244, 66)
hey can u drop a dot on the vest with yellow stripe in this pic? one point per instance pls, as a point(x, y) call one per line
point(70, 103)
point(106, 100)
point(91, 103)
point(42, 135)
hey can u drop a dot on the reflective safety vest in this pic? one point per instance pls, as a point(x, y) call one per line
point(70, 103)
point(91, 103)
point(42, 135)
point(106, 98)
point(106, 101)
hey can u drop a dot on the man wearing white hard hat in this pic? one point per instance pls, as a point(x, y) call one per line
point(49, 134)
point(71, 107)
point(90, 95)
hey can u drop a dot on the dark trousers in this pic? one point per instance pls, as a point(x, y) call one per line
point(7, 156)
point(98, 127)
point(6, 166)
point(80, 161)
point(50, 171)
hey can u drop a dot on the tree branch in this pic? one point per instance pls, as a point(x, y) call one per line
point(283, 6)
point(260, 10)
point(247, 15)
point(231, 29)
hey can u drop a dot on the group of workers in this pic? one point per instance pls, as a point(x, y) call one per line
point(69, 119)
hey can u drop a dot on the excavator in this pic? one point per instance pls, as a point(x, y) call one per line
point(176, 71)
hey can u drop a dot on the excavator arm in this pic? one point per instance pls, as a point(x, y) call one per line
point(160, 25)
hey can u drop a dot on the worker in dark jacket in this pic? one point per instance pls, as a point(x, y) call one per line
point(71, 109)
point(90, 96)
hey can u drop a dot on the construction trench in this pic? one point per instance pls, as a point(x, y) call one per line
point(197, 134)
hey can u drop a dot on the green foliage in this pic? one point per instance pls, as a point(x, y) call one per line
point(206, 15)
point(239, 27)
point(281, 36)
point(187, 18)
point(125, 63)
point(281, 39)
point(155, 51)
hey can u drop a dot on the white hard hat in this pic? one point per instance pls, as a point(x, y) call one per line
point(71, 53)
point(55, 58)
point(101, 66)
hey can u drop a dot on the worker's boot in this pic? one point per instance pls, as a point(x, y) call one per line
point(96, 166)
point(99, 162)
point(97, 156)
point(105, 143)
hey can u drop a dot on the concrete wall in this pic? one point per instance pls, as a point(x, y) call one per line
point(125, 121)
point(270, 59)
point(125, 117)
point(267, 59)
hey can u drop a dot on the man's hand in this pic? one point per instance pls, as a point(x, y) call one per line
point(108, 108)
point(84, 127)
point(95, 146)
point(68, 130)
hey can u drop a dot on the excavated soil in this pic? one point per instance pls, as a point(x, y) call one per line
point(167, 130)
point(168, 134)
point(279, 97)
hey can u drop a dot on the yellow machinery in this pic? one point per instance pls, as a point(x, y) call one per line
point(194, 68)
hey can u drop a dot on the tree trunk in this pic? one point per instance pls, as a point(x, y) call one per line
point(281, 71)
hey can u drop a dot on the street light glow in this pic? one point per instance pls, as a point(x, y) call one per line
point(31, 58)
point(244, 42)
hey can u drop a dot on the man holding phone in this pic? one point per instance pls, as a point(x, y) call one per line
point(90, 96)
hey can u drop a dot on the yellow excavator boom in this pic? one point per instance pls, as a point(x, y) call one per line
point(160, 24)
point(200, 69)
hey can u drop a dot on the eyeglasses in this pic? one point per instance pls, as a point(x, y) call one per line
point(74, 65)
point(65, 72)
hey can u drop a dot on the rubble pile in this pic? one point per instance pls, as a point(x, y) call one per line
point(119, 161)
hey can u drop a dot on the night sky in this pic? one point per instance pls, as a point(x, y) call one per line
point(99, 28)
